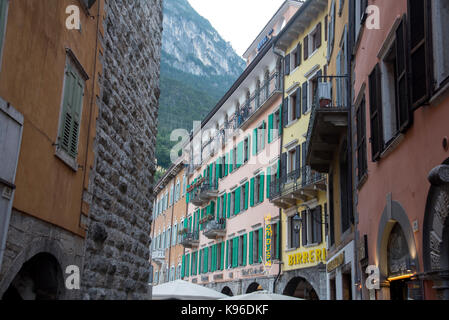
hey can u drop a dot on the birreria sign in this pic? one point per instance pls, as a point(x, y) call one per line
point(268, 235)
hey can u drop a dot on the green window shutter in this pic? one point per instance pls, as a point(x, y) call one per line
point(278, 238)
point(268, 181)
point(245, 244)
point(185, 223)
point(240, 154)
point(270, 127)
point(229, 205)
point(262, 143)
point(238, 191)
point(206, 260)
point(261, 187)
point(71, 111)
point(192, 271)
point(183, 266)
point(197, 220)
point(200, 261)
point(211, 170)
point(255, 142)
point(246, 194)
point(251, 195)
point(204, 173)
point(224, 205)
point(260, 251)
point(202, 216)
point(235, 248)
point(227, 254)
point(226, 164)
point(280, 120)
point(212, 208)
point(231, 168)
point(188, 265)
point(218, 209)
point(187, 197)
point(222, 255)
point(251, 235)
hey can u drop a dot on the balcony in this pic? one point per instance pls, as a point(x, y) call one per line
point(329, 120)
point(203, 193)
point(263, 97)
point(190, 239)
point(215, 229)
point(299, 185)
point(158, 256)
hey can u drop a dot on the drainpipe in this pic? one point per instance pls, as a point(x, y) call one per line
point(281, 74)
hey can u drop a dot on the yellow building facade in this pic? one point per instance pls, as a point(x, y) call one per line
point(299, 191)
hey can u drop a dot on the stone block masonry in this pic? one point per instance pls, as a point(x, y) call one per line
point(116, 261)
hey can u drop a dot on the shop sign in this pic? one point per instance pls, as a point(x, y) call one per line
point(335, 263)
point(310, 256)
point(268, 235)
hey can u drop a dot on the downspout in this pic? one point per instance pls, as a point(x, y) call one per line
point(281, 72)
point(351, 172)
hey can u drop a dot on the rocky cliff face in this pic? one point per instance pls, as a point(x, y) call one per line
point(192, 45)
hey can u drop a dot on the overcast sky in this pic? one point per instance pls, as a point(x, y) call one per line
point(237, 21)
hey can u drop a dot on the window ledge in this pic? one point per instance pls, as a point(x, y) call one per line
point(392, 145)
point(291, 123)
point(291, 249)
point(64, 157)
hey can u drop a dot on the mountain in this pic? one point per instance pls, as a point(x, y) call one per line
point(197, 68)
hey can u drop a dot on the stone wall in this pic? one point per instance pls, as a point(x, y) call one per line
point(116, 264)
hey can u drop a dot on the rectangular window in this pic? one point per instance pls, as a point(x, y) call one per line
point(256, 240)
point(240, 253)
point(233, 203)
point(292, 108)
point(243, 193)
point(246, 150)
point(234, 157)
point(294, 233)
point(260, 144)
point(71, 112)
point(3, 18)
point(291, 162)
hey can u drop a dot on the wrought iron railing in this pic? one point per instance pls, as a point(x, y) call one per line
point(270, 86)
point(330, 94)
point(190, 236)
point(214, 225)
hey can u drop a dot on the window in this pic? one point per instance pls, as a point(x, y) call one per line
point(440, 23)
point(233, 210)
point(276, 124)
point(230, 253)
point(243, 196)
point(67, 145)
point(260, 137)
point(240, 252)
point(296, 57)
point(312, 226)
point(291, 163)
point(184, 185)
point(362, 164)
point(246, 150)
point(292, 110)
point(223, 166)
point(218, 257)
point(234, 157)
point(312, 41)
point(294, 234)
point(275, 253)
point(257, 246)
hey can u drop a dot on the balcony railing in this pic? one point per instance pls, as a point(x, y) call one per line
point(204, 193)
point(190, 239)
point(260, 97)
point(215, 229)
point(328, 120)
point(299, 184)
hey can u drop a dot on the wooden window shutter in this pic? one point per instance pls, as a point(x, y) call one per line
point(222, 255)
point(251, 250)
point(402, 98)
point(261, 187)
point(298, 103)
point(246, 195)
point(240, 154)
point(304, 97)
point(226, 164)
point(237, 201)
point(260, 251)
point(284, 165)
point(287, 64)
point(183, 266)
point(376, 113)
point(229, 205)
point(326, 18)
point(245, 244)
point(361, 140)
point(268, 181)
point(420, 51)
point(262, 143)
point(251, 196)
point(319, 34)
point(231, 161)
point(285, 112)
point(270, 127)
point(304, 228)
point(255, 142)
point(298, 160)
point(306, 48)
point(298, 54)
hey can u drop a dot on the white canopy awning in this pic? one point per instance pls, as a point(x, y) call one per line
point(183, 290)
point(261, 295)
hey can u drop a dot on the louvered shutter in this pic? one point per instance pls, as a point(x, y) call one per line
point(183, 266)
point(251, 197)
point(261, 187)
point(231, 161)
point(227, 255)
point(229, 205)
point(270, 127)
point(222, 255)
point(226, 164)
point(245, 244)
point(246, 195)
point(284, 165)
point(298, 160)
point(319, 35)
point(237, 201)
point(420, 49)
point(376, 113)
point(287, 64)
point(304, 228)
point(402, 99)
point(255, 142)
point(262, 143)
point(268, 181)
point(298, 54)
point(306, 48)
point(304, 97)
point(298, 103)
point(260, 251)
point(240, 154)
point(251, 235)
point(285, 112)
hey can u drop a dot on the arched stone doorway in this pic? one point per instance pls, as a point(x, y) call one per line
point(300, 288)
point(40, 278)
point(253, 287)
point(227, 291)
point(397, 255)
point(436, 231)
